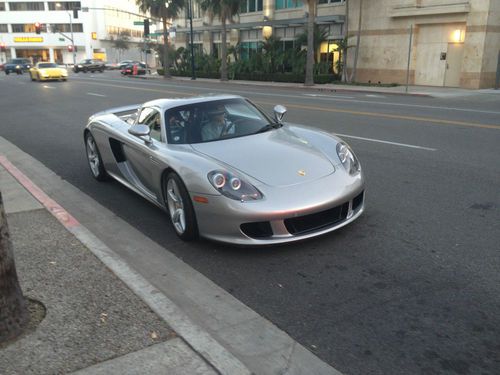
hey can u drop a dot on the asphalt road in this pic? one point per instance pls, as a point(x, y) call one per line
point(411, 287)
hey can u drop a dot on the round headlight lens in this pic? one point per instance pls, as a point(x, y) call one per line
point(219, 180)
point(235, 183)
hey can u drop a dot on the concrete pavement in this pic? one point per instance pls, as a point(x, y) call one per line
point(118, 322)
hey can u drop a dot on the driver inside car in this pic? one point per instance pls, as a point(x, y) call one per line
point(218, 126)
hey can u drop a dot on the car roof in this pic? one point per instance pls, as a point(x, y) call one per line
point(165, 104)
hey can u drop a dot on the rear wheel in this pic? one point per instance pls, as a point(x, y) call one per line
point(180, 208)
point(94, 158)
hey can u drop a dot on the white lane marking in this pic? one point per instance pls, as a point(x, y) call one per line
point(386, 142)
point(329, 96)
point(94, 94)
point(341, 99)
point(375, 96)
point(48, 87)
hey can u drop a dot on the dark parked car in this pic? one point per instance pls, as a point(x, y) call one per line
point(89, 65)
point(129, 69)
point(17, 66)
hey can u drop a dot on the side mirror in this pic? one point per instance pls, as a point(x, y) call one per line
point(279, 112)
point(140, 131)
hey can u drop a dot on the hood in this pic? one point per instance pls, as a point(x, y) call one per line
point(52, 71)
point(276, 158)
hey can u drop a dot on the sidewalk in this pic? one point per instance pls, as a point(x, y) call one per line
point(104, 317)
point(425, 91)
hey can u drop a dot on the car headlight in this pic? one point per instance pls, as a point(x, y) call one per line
point(18, 66)
point(234, 187)
point(80, 66)
point(43, 73)
point(347, 158)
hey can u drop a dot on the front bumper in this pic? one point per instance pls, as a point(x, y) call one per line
point(287, 214)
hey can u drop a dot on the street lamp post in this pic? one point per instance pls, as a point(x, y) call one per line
point(72, 38)
point(58, 5)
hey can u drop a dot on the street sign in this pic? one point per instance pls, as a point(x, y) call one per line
point(62, 39)
point(138, 23)
point(156, 34)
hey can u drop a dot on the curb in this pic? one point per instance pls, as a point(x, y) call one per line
point(196, 337)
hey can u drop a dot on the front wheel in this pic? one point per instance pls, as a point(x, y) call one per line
point(94, 158)
point(180, 208)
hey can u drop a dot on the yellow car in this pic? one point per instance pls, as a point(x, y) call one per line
point(43, 71)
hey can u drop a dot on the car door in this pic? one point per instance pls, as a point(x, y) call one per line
point(142, 157)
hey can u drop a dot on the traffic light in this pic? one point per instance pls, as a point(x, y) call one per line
point(75, 13)
point(146, 27)
point(3, 47)
point(38, 27)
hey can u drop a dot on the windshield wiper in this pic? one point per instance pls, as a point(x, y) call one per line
point(265, 128)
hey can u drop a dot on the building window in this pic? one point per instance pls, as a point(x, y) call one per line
point(288, 4)
point(26, 6)
point(64, 5)
point(330, 1)
point(249, 6)
point(66, 28)
point(3, 28)
point(23, 27)
point(2, 6)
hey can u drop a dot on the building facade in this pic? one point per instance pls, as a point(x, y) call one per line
point(259, 19)
point(455, 43)
point(93, 30)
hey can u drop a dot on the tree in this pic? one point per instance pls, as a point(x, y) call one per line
point(358, 36)
point(121, 43)
point(345, 77)
point(224, 10)
point(13, 310)
point(164, 10)
point(311, 17)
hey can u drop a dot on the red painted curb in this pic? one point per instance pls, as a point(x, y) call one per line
point(51, 205)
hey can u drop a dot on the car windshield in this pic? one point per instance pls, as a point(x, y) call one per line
point(214, 120)
point(19, 61)
point(47, 65)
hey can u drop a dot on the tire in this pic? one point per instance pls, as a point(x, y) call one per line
point(94, 158)
point(32, 78)
point(101, 70)
point(39, 79)
point(180, 208)
point(84, 70)
point(7, 72)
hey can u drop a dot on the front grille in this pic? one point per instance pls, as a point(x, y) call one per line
point(257, 230)
point(316, 221)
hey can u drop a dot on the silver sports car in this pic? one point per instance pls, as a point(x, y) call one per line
point(226, 171)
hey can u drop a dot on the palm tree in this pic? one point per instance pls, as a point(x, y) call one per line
point(311, 17)
point(345, 77)
point(164, 10)
point(13, 311)
point(225, 10)
point(358, 36)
